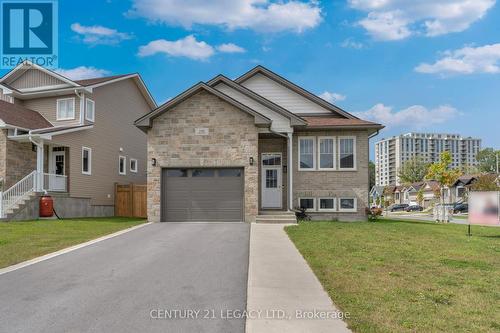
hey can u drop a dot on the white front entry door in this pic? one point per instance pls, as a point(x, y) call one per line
point(272, 181)
point(57, 181)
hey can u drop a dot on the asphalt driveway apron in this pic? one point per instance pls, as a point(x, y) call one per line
point(165, 277)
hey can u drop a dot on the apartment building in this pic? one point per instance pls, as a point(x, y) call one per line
point(391, 153)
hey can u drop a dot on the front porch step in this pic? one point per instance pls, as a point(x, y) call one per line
point(288, 218)
point(12, 211)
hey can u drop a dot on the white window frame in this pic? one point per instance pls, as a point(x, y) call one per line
point(89, 150)
point(354, 168)
point(124, 165)
point(314, 203)
point(91, 101)
point(57, 108)
point(353, 210)
point(334, 153)
point(313, 138)
point(136, 165)
point(334, 209)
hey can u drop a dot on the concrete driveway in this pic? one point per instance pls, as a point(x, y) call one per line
point(133, 282)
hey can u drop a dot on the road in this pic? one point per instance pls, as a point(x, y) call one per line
point(133, 282)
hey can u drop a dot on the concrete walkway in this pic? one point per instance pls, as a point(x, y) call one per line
point(282, 288)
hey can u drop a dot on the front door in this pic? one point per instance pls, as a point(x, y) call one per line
point(271, 180)
point(57, 181)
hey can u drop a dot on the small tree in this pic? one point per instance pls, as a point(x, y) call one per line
point(413, 170)
point(420, 196)
point(443, 174)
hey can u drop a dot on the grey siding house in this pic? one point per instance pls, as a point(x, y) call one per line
point(74, 139)
point(254, 148)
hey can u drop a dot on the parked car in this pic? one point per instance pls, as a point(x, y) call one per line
point(398, 207)
point(461, 208)
point(414, 208)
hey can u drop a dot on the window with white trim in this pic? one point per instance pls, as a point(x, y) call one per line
point(460, 191)
point(326, 204)
point(133, 165)
point(306, 153)
point(347, 204)
point(326, 153)
point(307, 203)
point(122, 162)
point(347, 153)
point(89, 109)
point(86, 161)
point(65, 109)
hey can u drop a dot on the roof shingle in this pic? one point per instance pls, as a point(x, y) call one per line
point(334, 122)
point(16, 115)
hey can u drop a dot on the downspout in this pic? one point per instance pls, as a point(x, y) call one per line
point(81, 96)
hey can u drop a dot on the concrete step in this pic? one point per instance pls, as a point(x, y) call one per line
point(288, 218)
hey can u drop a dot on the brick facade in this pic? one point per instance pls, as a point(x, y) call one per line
point(337, 183)
point(232, 139)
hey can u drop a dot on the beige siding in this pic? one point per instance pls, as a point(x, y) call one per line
point(117, 106)
point(47, 107)
point(282, 96)
point(280, 123)
point(34, 78)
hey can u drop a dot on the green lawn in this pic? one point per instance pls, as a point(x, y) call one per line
point(20, 241)
point(407, 276)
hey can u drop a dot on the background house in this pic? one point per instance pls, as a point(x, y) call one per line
point(75, 139)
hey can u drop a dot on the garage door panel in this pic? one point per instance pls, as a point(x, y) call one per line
point(202, 195)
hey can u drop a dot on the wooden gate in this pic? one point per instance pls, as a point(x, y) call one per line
point(130, 200)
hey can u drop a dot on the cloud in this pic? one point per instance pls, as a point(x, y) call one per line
point(416, 116)
point(82, 73)
point(258, 15)
point(468, 60)
point(399, 19)
point(187, 47)
point(350, 43)
point(97, 34)
point(332, 97)
point(230, 48)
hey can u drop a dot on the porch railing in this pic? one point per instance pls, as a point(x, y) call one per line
point(16, 193)
point(34, 182)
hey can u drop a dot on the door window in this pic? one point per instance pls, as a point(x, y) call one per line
point(272, 178)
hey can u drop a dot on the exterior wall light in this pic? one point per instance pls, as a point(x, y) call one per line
point(251, 160)
point(153, 161)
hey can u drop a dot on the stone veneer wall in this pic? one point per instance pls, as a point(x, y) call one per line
point(232, 140)
point(16, 160)
point(318, 184)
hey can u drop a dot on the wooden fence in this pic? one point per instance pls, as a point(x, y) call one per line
point(130, 200)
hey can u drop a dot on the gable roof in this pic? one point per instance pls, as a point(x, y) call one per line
point(97, 80)
point(145, 121)
point(465, 180)
point(20, 69)
point(295, 120)
point(295, 88)
point(19, 116)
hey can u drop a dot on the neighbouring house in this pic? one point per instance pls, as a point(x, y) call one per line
point(253, 148)
point(376, 194)
point(72, 138)
point(412, 193)
point(459, 191)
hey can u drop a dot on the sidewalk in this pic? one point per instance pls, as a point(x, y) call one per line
point(279, 279)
